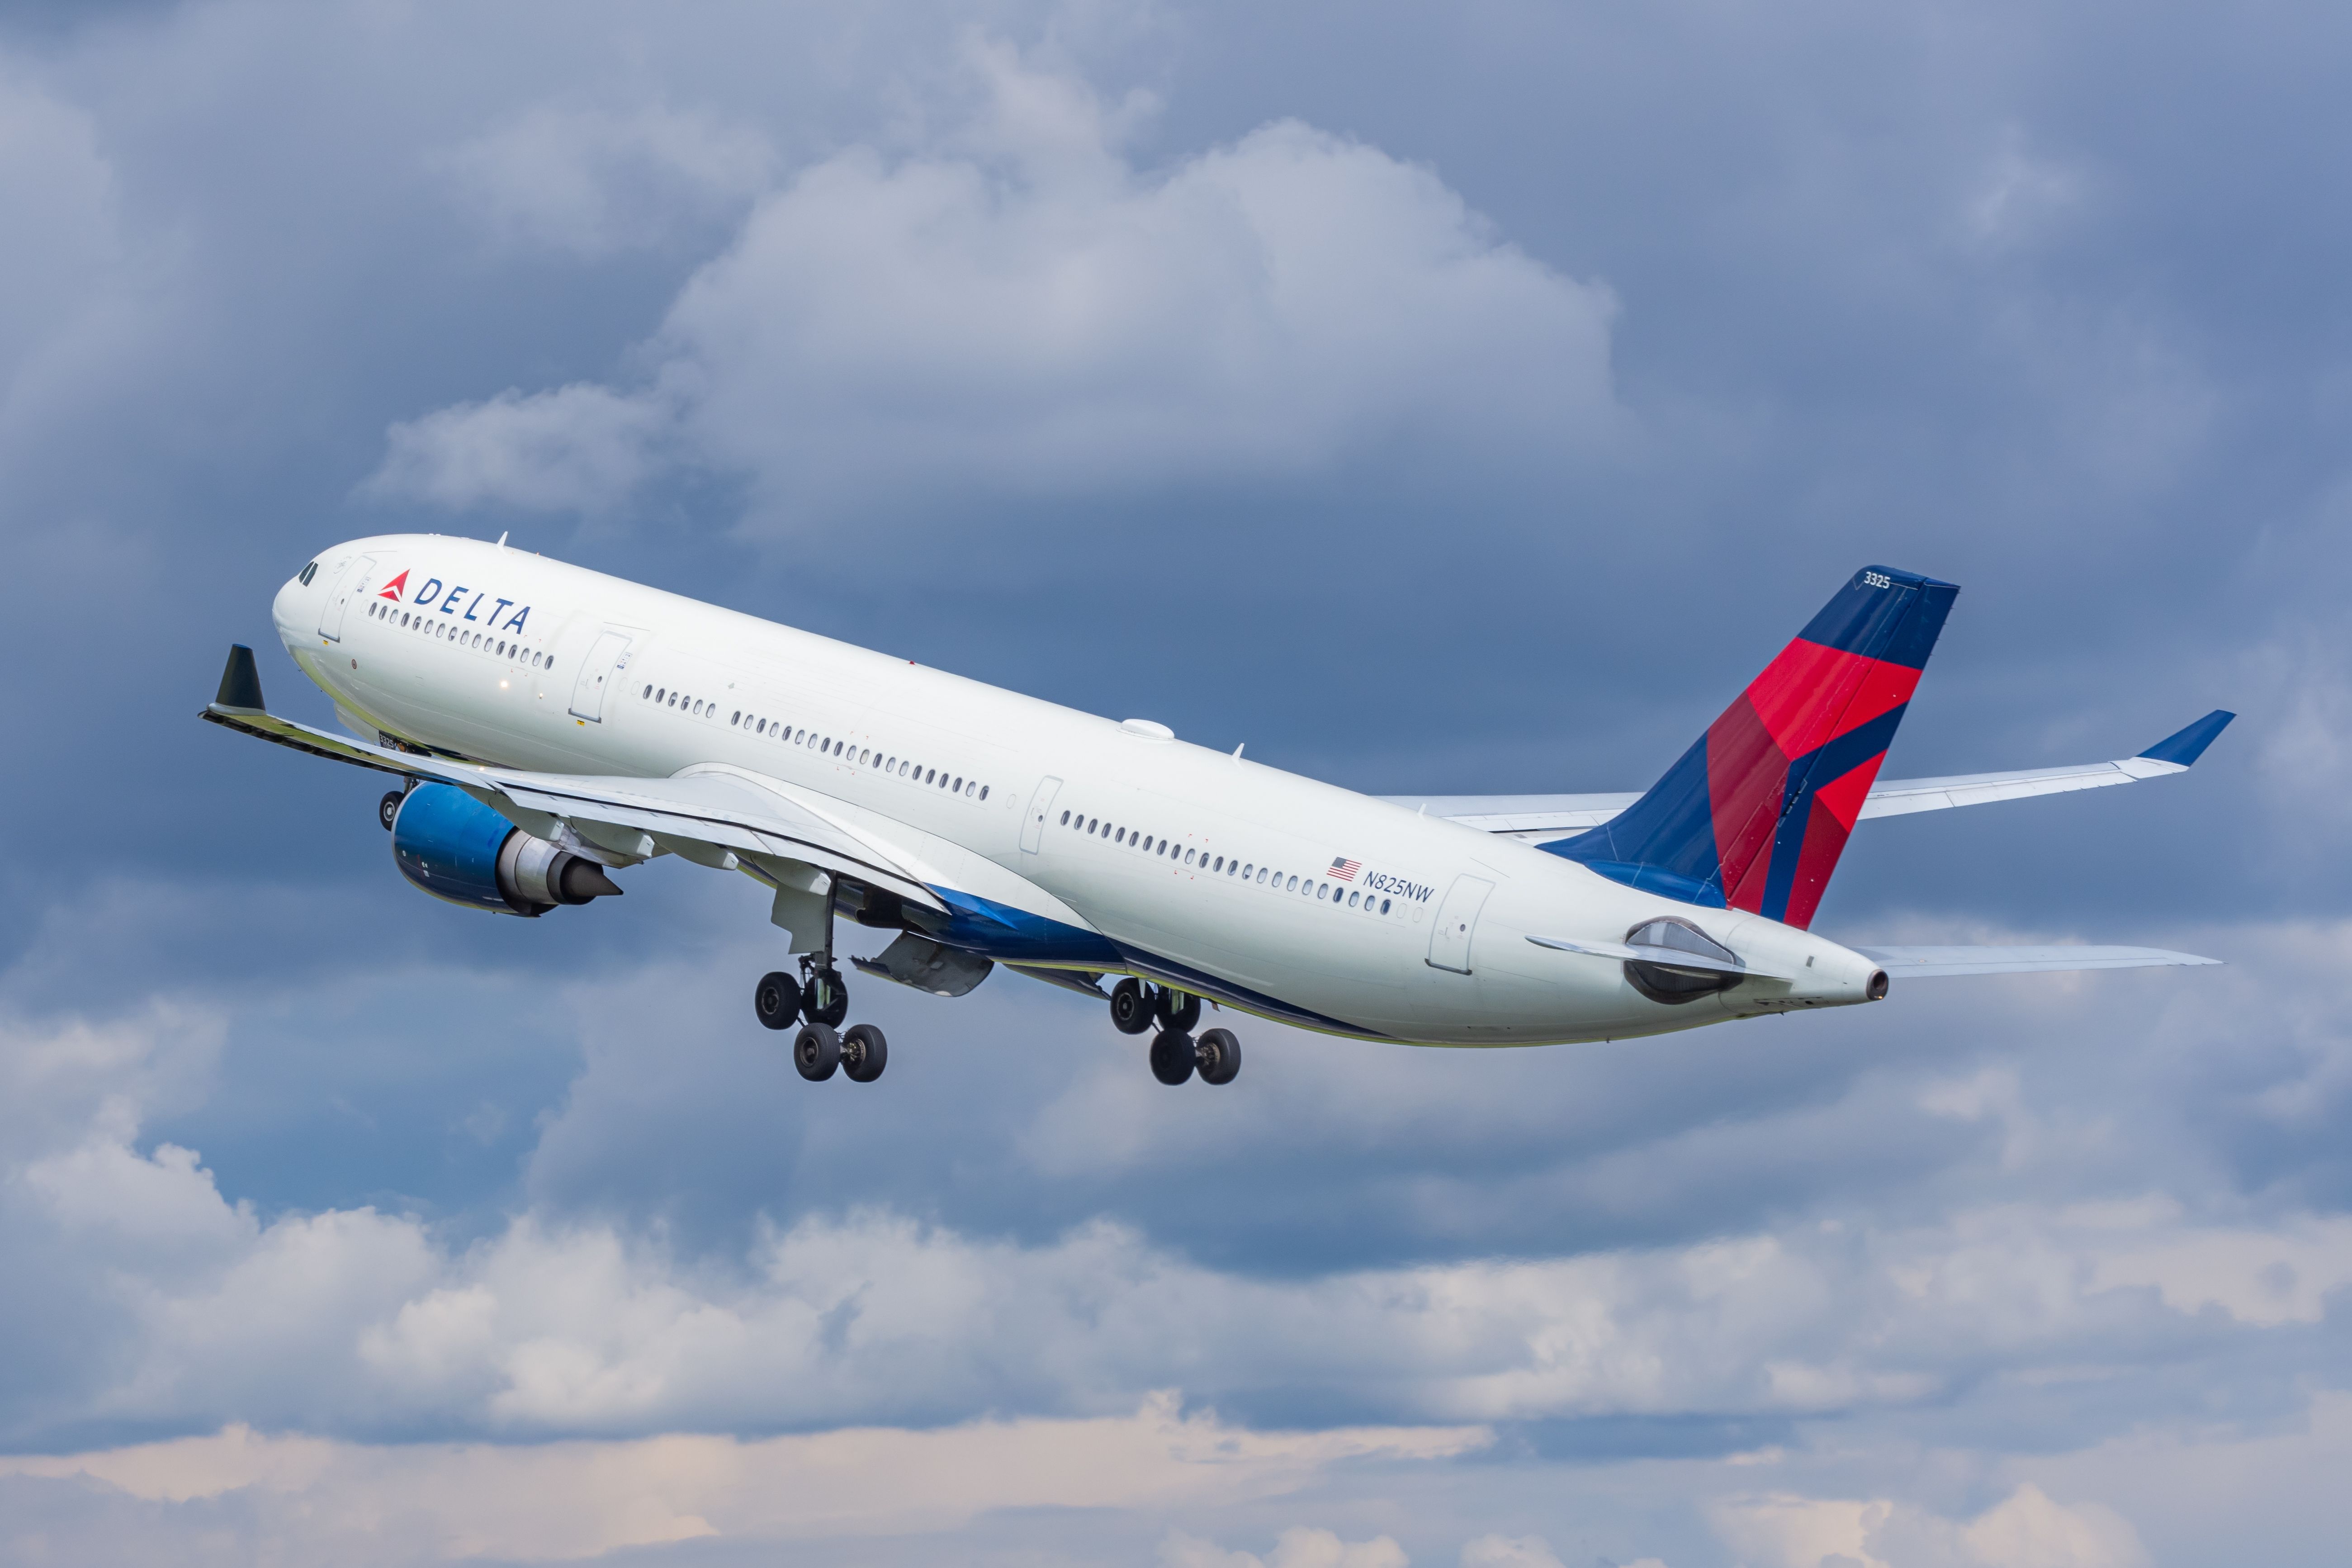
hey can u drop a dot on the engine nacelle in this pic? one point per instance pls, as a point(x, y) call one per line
point(456, 848)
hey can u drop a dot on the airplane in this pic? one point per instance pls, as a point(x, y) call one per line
point(552, 727)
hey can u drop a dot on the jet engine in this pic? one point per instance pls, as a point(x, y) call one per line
point(456, 848)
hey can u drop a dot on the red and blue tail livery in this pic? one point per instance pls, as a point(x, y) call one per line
point(1756, 814)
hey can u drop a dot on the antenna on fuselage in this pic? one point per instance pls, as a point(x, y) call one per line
point(502, 541)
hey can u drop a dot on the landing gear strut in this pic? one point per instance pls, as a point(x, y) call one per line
point(1175, 1054)
point(818, 1001)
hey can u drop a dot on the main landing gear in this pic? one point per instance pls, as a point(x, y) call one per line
point(1176, 1054)
point(818, 1001)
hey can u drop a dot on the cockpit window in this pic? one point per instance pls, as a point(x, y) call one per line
point(307, 572)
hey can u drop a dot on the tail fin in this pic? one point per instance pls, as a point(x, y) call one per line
point(1756, 814)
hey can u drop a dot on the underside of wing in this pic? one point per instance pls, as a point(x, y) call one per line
point(1537, 818)
point(1927, 963)
point(723, 818)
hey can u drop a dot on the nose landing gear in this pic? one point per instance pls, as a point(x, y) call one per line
point(1175, 1054)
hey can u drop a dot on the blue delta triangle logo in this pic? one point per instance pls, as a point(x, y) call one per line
point(392, 590)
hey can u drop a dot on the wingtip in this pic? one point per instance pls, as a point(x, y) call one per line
point(240, 683)
point(2183, 747)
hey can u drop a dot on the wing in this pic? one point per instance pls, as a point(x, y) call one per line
point(1925, 963)
point(713, 815)
point(1540, 817)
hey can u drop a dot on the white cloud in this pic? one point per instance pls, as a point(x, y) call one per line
point(561, 1500)
point(2026, 1530)
point(354, 1320)
point(1300, 1547)
point(1508, 1551)
point(580, 447)
point(1016, 304)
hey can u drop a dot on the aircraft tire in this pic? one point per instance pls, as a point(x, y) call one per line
point(864, 1053)
point(1173, 1056)
point(388, 809)
point(777, 999)
point(816, 1051)
point(824, 1000)
point(1130, 1010)
point(1219, 1055)
point(1180, 1017)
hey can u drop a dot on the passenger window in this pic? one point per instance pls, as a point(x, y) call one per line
point(1293, 886)
point(984, 792)
point(959, 786)
point(1351, 901)
point(1066, 819)
point(1385, 906)
point(1119, 837)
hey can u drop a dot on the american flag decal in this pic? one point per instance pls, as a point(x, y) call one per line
point(1345, 871)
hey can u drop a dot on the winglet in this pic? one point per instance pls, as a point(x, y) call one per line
point(240, 684)
point(2184, 747)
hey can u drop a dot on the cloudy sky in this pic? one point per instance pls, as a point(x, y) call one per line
point(1462, 398)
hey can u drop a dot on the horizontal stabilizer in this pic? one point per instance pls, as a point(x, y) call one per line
point(1536, 818)
point(1641, 953)
point(1927, 963)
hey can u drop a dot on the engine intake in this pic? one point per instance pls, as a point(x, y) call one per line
point(459, 850)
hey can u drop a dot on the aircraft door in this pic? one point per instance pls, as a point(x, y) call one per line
point(588, 691)
point(1457, 922)
point(1041, 805)
point(339, 598)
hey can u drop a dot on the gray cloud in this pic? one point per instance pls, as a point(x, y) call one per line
point(1687, 313)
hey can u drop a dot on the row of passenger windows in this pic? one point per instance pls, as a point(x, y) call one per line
point(451, 632)
point(824, 745)
point(1338, 897)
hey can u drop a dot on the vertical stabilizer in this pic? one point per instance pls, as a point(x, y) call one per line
point(1757, 812)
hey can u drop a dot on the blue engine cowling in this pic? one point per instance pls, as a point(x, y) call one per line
point(456, 848)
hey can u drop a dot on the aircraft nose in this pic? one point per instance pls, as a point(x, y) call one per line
point(280, 607)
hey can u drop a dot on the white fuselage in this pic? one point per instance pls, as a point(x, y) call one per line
point(1274, 893)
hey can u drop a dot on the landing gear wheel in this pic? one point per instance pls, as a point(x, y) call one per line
point(777, 999)
point(1174, 1014)
point(1131, 1010)
point(824, 1000)
point(1173, 1055)
point(864, 1053)
point(389, 807)
point(1219, 1055)
point(816, 1051)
